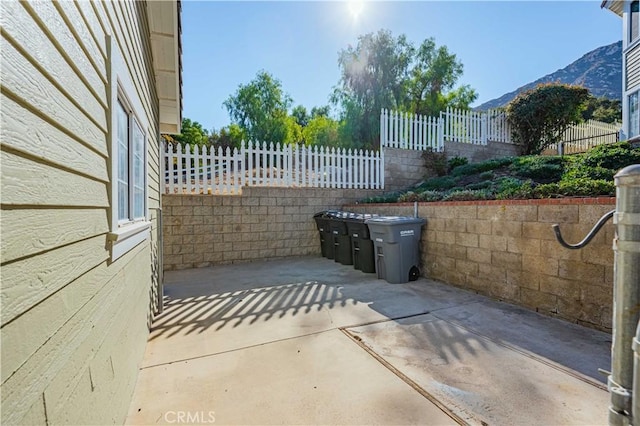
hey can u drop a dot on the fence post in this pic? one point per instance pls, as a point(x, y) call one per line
point(440, 134)
point(168, 164)
point(382, 132)
point(626, 298)
point(484, 129)
point(381, 166)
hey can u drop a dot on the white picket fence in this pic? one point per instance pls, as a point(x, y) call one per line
point(410, 131)
point(419, 132)
point(227, 171)
point(584, 136)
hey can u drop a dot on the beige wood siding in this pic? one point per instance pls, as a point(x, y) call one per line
point(633, 68)
point(73, 323)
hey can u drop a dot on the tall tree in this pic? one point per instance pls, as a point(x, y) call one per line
point(433, 74)
point(372, 77)
point(260, 108)
point(384, 71)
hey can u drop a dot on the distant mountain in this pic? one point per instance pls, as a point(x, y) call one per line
point(600, 71)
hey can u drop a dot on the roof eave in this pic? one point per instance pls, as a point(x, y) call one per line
point(616, 6)
point(166, 45)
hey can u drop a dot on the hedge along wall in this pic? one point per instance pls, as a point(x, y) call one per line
point(507, 250)
point(262, 223)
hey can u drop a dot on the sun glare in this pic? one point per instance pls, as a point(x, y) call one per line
point(355, 8)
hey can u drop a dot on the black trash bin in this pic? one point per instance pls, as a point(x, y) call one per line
point(397, 247)
point(361, 245)
point(323, 219)
point(341, 239)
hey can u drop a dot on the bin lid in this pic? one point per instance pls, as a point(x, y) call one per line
point(395, 220)
point(327, 213)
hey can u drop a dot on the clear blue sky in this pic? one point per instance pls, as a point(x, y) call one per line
point(502, 44)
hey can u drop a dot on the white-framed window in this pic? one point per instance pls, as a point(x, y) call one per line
point(132, 170)
point(634, 114)
point(634, 25)
point(128, 156)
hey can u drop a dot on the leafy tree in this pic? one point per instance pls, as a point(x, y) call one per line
point(603, 109)
point(293, 131)
point(322, 131)
point(299, 113)
point(322, 111)
point(433, 75)
point(260, 107)
point(372, 77)
point(192, 133)
point(539, 116)
point(230, 136)
point(383, 71)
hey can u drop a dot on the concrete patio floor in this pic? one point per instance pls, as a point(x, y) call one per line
point(310, 341)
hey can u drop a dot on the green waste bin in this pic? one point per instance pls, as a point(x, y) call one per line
point(361, 245)
point(396, 243)
point(323, 219)
point(341, 239)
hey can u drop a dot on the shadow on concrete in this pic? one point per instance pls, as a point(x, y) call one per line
point(232, 308)
point(300, 296)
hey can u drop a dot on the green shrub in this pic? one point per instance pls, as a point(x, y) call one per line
point(486, 184)
point(589, 174)
point(575, 188)
point(586, 187)
point(548, 168)
point(469, 195)
point(488, 175)
point(391, 197)
point(439, 183)
point(583, 172)
point(602, 162)
point(506, 183)
point(523, 190)
point(474, 168)
point(611, 156)
point(456, 162)
point(430, 196)
point(408, 197)
point(547, 190)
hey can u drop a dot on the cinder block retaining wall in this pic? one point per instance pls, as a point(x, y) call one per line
point(478, 153)
point(262, 223)
point(507, 250)
point(402, 168)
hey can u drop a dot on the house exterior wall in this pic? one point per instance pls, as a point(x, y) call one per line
point(507, 250)
point(632, 60)
point(74, 323)
point(630, 70)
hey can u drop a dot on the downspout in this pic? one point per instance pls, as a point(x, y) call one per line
point(626, 299)
point(624, 379)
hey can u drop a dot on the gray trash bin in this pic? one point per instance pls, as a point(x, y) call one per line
point(397, 247)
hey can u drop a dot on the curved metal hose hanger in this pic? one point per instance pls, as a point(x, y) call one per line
point(590, 235)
